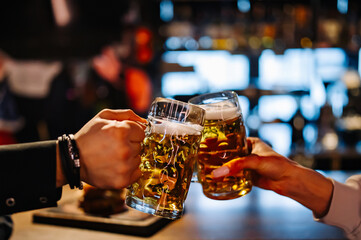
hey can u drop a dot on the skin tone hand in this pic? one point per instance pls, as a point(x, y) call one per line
point(275, 172)
point(109, 147)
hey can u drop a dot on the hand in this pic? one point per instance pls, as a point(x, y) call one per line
point(275, 172)
point(109, 147)
point(271, 170)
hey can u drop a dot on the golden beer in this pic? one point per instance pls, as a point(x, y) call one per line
point(223, 139)
point(168, 157)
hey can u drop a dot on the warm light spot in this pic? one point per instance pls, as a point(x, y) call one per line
point(330, 141)
point(306, 42)
point(267, 42)
point(144, 55)
point(254, 42)
point(143, 36)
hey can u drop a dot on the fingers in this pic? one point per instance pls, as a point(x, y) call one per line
point(131, 176)
point(121, 115)
point(121, 175)
point(124, 131)
point(236, 165)
point(136, 131)
point(135, 148)
point(133, 163)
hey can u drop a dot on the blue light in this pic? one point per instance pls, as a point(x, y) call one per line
point(309, 109)
point(243, 5)
point(290, 71)
point(205, 42)
point(281, 107)
point(173, 43)
point(182, 83)
point(318, 91)
point(358, 146)
point(342, 6)
point(337, 94)
point(310, 134)
point(279, 135)
point(191, 44)
point(166, 10)
point(244, 103)
point(253, 122)
point(215, 70)
point(330, 63)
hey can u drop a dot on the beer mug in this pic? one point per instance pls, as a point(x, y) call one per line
point(169, 150)
point(223, 139)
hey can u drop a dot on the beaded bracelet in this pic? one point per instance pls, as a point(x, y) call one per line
point(69, 155)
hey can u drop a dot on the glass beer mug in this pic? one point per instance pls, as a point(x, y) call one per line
point(223, 139)
point(170, 148)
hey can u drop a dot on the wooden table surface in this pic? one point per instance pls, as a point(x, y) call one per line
point(259, 215)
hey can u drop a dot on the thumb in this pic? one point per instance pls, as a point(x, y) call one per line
point(121, 115)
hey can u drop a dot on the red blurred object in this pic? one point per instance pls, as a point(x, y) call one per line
point(143, 36)
point(144, 55)
point(139, 89)
point(143, 40)
point(6, 138)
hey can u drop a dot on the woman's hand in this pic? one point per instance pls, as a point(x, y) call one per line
point(275, 172)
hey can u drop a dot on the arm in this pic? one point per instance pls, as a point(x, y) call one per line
point(332, 202)
point(275, 172)
point(109, 147)
point(27, 176)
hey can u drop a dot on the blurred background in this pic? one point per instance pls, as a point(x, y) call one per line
point(294, 64)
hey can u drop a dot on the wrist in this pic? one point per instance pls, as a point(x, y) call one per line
point(70, 162)
point(311, 189)
point(78, 139)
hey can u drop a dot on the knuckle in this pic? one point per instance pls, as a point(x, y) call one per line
point(104, 112)
point(123, 130)
point(142, 134)
point(129, 111)
point(125, 153)
point(124, 169)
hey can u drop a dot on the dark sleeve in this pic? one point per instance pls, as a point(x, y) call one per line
point(28, 177)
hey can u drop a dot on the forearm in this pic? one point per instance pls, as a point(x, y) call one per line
point(28, 177)
point(311, 189)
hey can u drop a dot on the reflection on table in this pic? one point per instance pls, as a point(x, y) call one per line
point(259, 215)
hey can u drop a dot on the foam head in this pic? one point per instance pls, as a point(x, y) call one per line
point(174, 128)
point(222, 110)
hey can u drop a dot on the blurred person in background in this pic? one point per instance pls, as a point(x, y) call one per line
point(45, 41)
point(124, 85)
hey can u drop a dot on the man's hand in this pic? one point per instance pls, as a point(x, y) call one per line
point(109, 147)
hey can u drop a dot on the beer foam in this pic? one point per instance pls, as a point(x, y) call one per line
point(223, 112)
point(174, 128)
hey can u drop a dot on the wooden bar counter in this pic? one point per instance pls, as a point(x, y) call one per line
point(259, 215)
